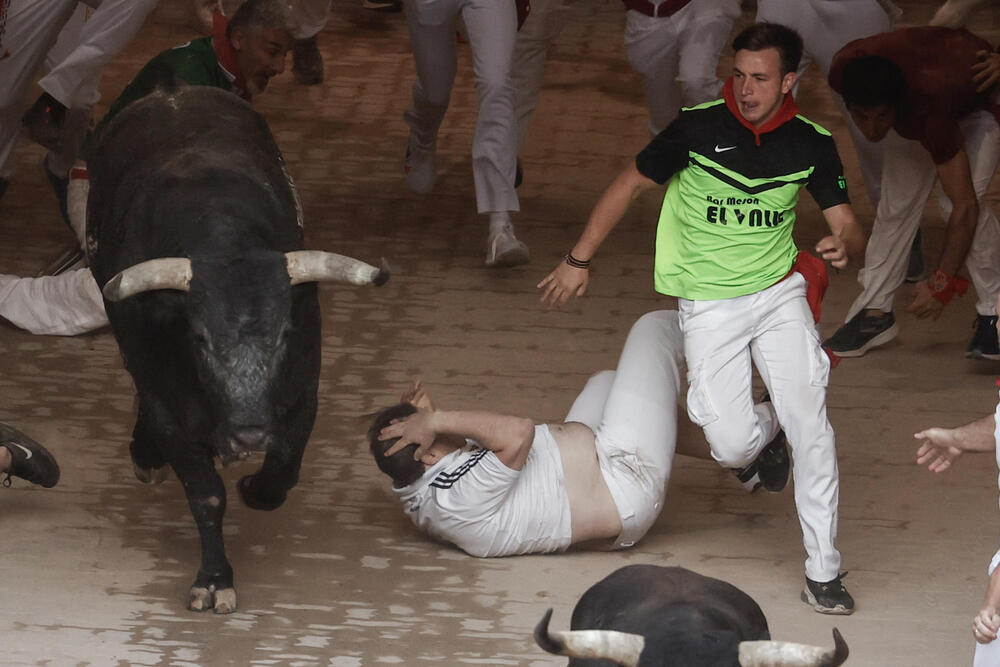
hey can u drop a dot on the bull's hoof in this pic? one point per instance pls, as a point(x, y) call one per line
point(220, 601)
point(259, 499)
point(151, 475)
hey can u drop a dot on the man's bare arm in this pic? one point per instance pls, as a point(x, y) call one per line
point(941, 446)
point(847, 240)
point(956, 181)
point(506, 436)
point(567, 281)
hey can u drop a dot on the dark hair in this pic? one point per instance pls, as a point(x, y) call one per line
point(767, 35)
point(401, 466)
point(871, 81)
point(260, 14)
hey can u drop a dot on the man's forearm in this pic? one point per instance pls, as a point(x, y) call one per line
point(958, 237)
point(976, 436)
point(505, 435)
point(609, 210)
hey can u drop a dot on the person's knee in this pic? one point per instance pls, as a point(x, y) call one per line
point(730, 447)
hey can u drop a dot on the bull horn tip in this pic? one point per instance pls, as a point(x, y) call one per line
point(112, 288)
point(841, 651)
point(542, 636)
point(382, 276)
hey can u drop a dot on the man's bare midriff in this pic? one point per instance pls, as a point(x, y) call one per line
point(593, 511)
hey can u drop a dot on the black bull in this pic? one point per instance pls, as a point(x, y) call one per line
point(651, 616)
point(194, 234)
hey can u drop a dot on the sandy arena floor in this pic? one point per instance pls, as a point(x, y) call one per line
point(96, 571)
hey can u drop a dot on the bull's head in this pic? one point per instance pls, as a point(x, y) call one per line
point(239, 319)
point(627, 649)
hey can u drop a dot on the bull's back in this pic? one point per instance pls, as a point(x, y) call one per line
point(175, 166)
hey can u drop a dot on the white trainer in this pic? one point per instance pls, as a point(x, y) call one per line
point(503, 248)
point(418, 167)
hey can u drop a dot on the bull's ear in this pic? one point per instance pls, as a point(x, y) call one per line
point(154, 274)
point(315, 265)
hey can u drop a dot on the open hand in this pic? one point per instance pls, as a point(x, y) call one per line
point(418, 396)
point(937, 451)
point(413, 429)
point(562, 284)
point(986, 72)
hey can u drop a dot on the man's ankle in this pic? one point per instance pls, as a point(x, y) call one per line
point(4, 459)
point(874, 312)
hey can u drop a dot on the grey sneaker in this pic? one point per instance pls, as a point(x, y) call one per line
point(862, 333)
point(828, 597)
point(418, 167)
point(503, 248)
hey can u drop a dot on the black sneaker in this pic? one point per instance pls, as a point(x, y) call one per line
point(391, 6)
point(915, 271)
point(862, 333)
point(830, 597)
point(43, 122)
point(307, 62)
point(28, 459)
point(518, 173)
point(60, 187)
point(774, 464)
point(984, 341)
point(749, 476)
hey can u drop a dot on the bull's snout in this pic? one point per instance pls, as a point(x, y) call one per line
point(250, 438)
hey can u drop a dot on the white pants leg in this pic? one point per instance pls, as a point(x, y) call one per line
point(825, 28)
point(704, 36)
point(907, 179)
point(32, 29)
point(982, 143)
point(310, 17)
point(775, 328)
point(63, 305)
point(492, 28)
point(677, 55)
point(113, 25)
point(633, 413)
point(544, 22)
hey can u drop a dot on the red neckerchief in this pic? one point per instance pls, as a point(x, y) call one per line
point(226, 54)
point(785, 113)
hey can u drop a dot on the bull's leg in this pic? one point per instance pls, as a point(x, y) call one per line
point(147, 458)
point(206, 494)
point(268, 487)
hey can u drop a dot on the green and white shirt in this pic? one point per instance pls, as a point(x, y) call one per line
point(725, 228)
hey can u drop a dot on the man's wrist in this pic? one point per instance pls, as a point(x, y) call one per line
point(944, 287)
point(575, 262)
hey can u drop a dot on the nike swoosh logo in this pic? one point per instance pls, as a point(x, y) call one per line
point(723, 150)
point(27, 452)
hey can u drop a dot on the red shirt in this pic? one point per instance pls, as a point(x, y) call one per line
point(937, 66)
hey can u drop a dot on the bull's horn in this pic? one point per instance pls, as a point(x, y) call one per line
point(315, 265)
point(620, 647)
point(153, 274)
point(787, 654)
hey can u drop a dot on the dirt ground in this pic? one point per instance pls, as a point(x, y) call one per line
point(96, 570)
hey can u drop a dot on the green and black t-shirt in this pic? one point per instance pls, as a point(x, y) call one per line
point(725, 228)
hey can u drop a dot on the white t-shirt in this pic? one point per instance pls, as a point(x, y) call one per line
point(474, 501)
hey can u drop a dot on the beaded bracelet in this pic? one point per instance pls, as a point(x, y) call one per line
point(576, 263)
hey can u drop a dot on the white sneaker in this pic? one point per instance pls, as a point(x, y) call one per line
point(503, 248)
point(418, 167)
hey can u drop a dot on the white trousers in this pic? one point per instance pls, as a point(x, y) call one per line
point(907, 180)
point(492, 30)
point(633, 414)
point(74, 80)
point(677, 56)
point(545, 21)
point(774, 329)
point(825, 28)
point(63, 305)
